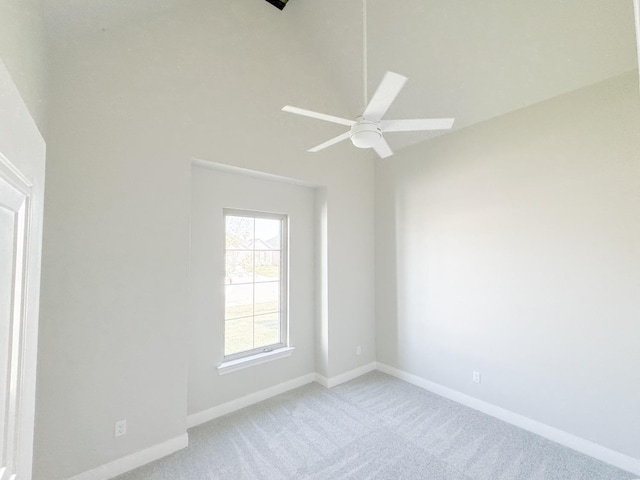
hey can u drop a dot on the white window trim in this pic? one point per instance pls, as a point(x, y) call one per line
point(250, 361)
point(269, 352)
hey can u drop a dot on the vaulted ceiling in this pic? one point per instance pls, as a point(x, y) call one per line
point(75, 18)
point(470, 60)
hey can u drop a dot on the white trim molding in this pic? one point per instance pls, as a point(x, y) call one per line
point(246, 362)
point(578, 444)
point(345, 377)
point(135, 460)
point(569, 440)
point(199, 418)
point(204, 416)
point(636, 9)
point(22, 169)
point(17, 353)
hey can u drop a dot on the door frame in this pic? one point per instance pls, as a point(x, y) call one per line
point(12, 406)
point(22, 167)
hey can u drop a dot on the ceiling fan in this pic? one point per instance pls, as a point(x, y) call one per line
point(367, 129)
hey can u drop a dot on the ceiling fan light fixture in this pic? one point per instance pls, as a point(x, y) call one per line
point(365, 134)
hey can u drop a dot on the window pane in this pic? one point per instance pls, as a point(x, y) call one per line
point(267, 297)
point(267, 266)
point(253, 283)
point(238, 335)
point(266, 330)
point(239, 267)
point(239, 232)
point(238, 301)
point(268, 233)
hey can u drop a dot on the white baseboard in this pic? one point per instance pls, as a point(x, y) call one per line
point(135, 460)
point(581, 445)
point(578, 444)
point(199, 418)
point(344, 377)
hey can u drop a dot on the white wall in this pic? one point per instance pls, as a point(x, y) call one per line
point(211, 192)
point(129, 109)
point(23, 50)
point(23, 147)
point(22, 122)
point(513, 248)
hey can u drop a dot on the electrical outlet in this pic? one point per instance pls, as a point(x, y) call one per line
point(358, 350)
point(476, 377)
point(121, 428)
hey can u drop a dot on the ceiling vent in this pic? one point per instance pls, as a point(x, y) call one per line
point(278, 3)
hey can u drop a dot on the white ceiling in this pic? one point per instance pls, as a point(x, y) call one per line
point(471, 60)
point(73, 18)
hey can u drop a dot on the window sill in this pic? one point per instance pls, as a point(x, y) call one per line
point(241, 363)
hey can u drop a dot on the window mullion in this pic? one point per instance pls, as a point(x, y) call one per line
point(253, 306)
point(263, 233)
point(282, 308)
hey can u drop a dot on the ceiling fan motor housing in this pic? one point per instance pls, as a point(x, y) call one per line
point(365, 134)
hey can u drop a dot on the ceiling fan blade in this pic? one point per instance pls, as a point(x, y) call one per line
point(417, 124)
point(386, 93)
point(319, 116)
point(383, 149)
point(328, 143)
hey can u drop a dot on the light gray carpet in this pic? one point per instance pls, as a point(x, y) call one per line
point(374, 427)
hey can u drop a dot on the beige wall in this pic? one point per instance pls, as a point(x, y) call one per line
point(513, 248)
point(130, 108)
point(212, 191)
point(23, 51)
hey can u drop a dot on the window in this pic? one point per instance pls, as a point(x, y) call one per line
point(255, 319)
